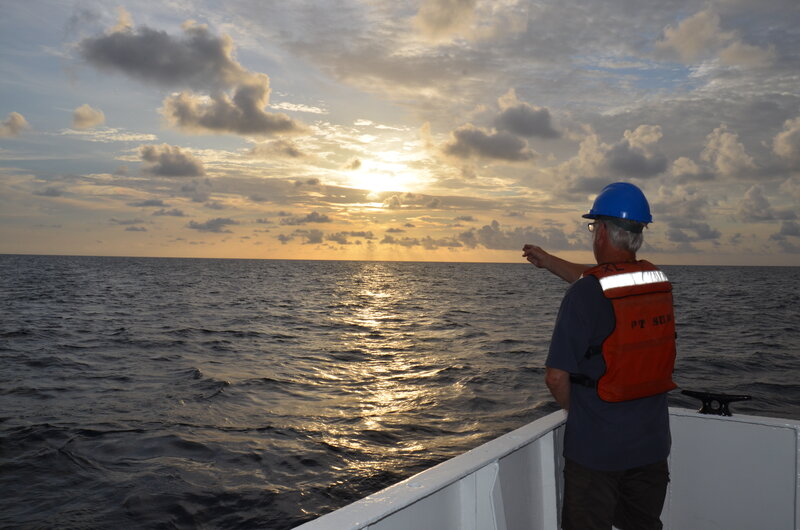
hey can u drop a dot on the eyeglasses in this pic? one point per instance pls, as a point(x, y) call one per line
point(591, 226)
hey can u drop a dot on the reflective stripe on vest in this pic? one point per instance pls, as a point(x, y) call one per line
point(630, 279)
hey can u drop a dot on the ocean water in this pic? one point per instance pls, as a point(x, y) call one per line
point(192, 393)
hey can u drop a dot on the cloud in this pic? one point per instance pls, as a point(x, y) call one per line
point(431, 243)
point(86, 117)
point(454, 21)
point(366, 234)
point(310, 237)
point(740, 53)
point(516, 121)
point(169, 161)
point(220, 113)
point(171, 213)
point(678, 231)
point(789, 228)
point(634, 156)
point(791, 187)
point(148, 203)
point(687, 170)
point(339, 237)
point(755, 207)
point(694, 36)
point(426, 242)
point(701, 36)
point(353, 164)
point(343, 237)
point(50, 191)
point(410, 200)
point(403, 241)
point(494, 236)
point(108, 134)
point(727, 155)
point(526, 120)
point(13, 126)
point(198, 60)
point(786, 144)
point(307, 182)
point(469, 141)
point(313, 217)
point(198, 190)
point(675, 203)
point(373, 50)
point(297, 107)
point(277, 149)
point(683, 209)
point(393, 202)
point(213, 225)
point(126, 222)
point(440, 19)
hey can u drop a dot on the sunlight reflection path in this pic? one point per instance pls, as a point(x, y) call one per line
point(387, 380)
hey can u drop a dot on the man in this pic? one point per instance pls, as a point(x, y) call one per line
point(609, 365)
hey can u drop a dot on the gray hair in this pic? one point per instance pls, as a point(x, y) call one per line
point(621, 238)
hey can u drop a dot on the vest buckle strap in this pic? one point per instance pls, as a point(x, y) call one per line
point(583, 380)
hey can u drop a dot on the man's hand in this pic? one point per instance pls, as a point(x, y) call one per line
point(566, 270)
point(535, 255)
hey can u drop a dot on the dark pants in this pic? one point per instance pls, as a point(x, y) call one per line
point(630, 500)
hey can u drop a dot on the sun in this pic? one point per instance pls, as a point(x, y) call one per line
point(379, 182)
point(385, 172)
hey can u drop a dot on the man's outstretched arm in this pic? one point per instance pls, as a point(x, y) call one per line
point(566, 270)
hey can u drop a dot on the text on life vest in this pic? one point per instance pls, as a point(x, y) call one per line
point(658, 320)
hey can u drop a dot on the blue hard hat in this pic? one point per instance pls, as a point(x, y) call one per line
point(622, 200)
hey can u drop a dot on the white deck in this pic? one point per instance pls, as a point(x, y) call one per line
point(738, 473)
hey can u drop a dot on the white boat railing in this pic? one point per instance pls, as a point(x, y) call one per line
point(730, 473)
point(733, 473)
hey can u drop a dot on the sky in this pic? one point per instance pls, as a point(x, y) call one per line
point(430, 130)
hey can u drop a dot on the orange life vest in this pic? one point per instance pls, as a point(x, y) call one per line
point(640, 352)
